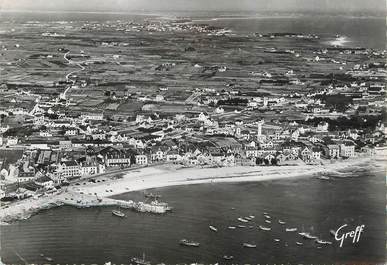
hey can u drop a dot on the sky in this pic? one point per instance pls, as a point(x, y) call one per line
point(200, 5)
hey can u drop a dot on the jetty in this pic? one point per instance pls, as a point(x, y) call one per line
point(26, 208)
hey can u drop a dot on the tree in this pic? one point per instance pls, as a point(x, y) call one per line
point(258, 161)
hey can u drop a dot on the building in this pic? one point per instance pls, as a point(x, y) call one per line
point(141, 159)
point(93, 116)
point(114, 157)
point(70, 169)
point(322, 127)
point(347, 149)
point(333, 151)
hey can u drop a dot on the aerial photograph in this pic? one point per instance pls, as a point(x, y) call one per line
point(193, 132)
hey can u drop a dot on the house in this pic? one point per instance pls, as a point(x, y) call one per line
point(347, 149)
point(219, 110)
point(45, 134)
point(12, 141)
point(65, 144)
point(316, 153)
point(92, 116)
point(306, 154)
point(281, 158)
point(90, 166)
point(141, 159)
point(333, 150)
point(71, 132)
point(114, 157)
point(173, 155)
point(45, 182)
point(322, 127)
point(157, 155)
point(70, 169)
point(252, 152)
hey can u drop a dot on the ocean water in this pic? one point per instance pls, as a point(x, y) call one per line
point(75, 236)
point(368, 32)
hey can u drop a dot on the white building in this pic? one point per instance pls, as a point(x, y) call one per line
point(141, 159)
point(347, 149)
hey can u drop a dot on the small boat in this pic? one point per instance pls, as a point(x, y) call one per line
point(41, 254)
point(240, 219)
point(307, 235)
point(268, 221)
point(276, 240)
point(264, 228)
point(241, 226)
point(324, 178)
point(265, 213)
point(118, 213)
point(228, 257)
point(267, 216)
point(299, 243)
point(48, 259)
point(140, 261)
point(188, 243)
point(323, 242)
point(247, 245)
point(247, 218)
point(281, 222)
point(231, 227)
point(213, 228)
point(252, 216)
point(291, 229)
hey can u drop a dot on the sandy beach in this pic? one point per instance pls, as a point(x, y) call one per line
point(165, 176)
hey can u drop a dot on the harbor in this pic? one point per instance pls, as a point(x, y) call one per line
point(62, 230)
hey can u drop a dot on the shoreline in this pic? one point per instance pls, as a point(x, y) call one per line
point(99, 194)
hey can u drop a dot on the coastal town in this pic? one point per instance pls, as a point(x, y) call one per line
point(107, 115)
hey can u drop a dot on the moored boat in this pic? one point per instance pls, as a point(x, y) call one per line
point(324, 178)
point(240, 219)
point(323, 242)
point(118, 213)
point(188, 243)
point(307, 235)
point(228, 257)
point(248, 245)
point(241, 226)
point(291, 229)
point(281, 222)
point(299, 243)
point(213, 228)
point(264, 228)
point(231, 227)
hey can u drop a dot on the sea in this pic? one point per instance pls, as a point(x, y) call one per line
point(356, 197)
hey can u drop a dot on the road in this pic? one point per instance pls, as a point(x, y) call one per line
point(71, 62)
